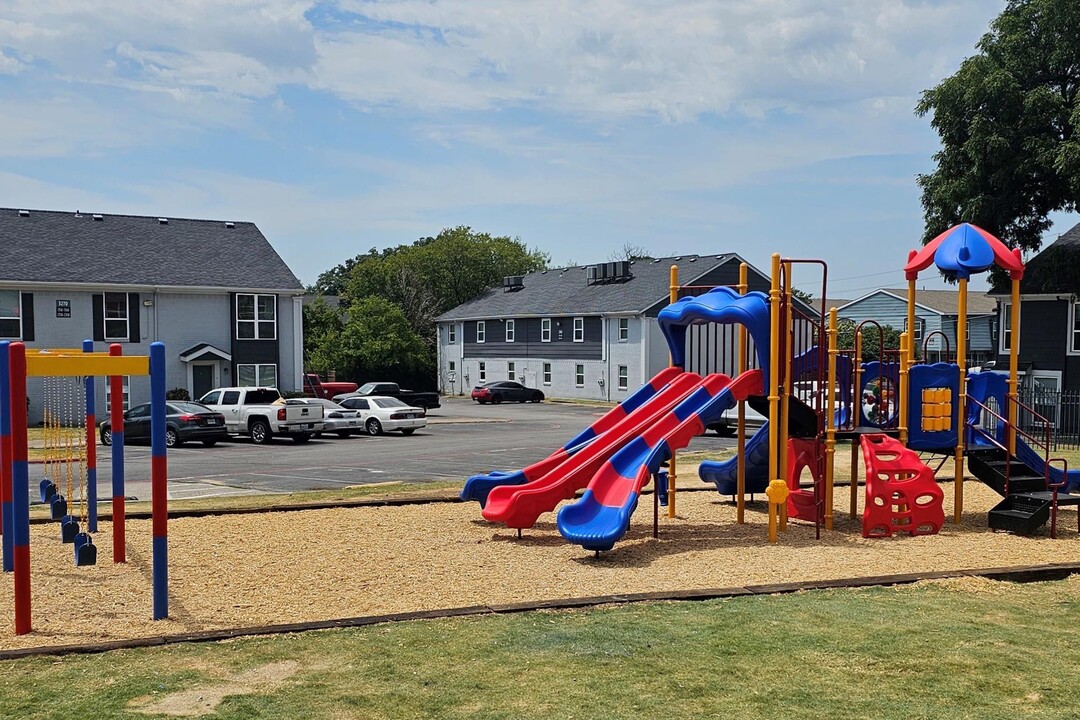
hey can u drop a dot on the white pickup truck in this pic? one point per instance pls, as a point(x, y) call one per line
point(261, 413)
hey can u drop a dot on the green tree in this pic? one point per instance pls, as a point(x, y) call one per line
point(374, 342)
point(871, 339)
point(1009, 124)
point(323, 325)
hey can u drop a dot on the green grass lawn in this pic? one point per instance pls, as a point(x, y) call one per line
point(972, 649)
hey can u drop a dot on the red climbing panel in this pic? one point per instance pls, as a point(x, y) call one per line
point(901, 493)
point(803, 453)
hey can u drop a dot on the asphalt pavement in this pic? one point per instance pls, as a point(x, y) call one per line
point(462, 439)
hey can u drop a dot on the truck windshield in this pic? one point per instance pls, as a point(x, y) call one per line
point(366, 388)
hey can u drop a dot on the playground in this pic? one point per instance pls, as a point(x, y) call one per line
point(869, 468)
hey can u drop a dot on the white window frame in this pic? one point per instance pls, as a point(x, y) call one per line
point(451, 333)
point(125, 394)
point(545, 329)
point(510, 328)
point(256, 323)
point(511, 370)
point(579, 375)
point(1071, 345)
point(1005, 328)
point(481, 331)
point(126, 319)
point(547, 373)
point(482, 371)
point(624, 377)
point(579, 329)
point(624, 329)
point(258, 370)
point(17, 316)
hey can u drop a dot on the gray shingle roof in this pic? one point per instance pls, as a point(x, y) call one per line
point(947, 302)
point(50, 246)
point(1055, 269)
point(565, 291)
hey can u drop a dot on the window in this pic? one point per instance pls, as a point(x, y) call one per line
point(579, 375)
point(917, 335)
point(510, 368)
point(257, 375)
point(483, 371)
point(509, 331)
point(1074, 333)
point(125, 394)
point(624, 329)
point(451, 333)
point(210, 398)
point(545, 329)
point(453, 366)
point(481, 331)
point(116, 316)
point(1005, 341)
point(579, 329)
point(624, 377)
point(10, 314)
point(256, 317)
point(355, 403)
point(547, 373)
point(230, 397)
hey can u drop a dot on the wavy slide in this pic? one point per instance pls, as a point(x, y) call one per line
point(478, 487)
point(518, 506)
point(724, 473)
point(601, 517)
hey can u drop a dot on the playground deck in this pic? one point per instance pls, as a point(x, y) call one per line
point(257, 569)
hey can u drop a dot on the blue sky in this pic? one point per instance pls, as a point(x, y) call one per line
point(753, 126)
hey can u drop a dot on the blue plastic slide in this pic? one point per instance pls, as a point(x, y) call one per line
point(724, 473)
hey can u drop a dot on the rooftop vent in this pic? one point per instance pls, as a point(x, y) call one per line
point(98, 218)
point(512, 283)
point(24, 213)
point(230, 224)
point(604, 273)
point(163, 221)
point(693, 259)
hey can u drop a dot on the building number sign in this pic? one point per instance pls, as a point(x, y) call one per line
point(63, 308)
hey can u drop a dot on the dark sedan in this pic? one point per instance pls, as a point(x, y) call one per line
point(183, 421)
point(499, 390)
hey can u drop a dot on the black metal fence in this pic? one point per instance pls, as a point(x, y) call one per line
point(1061, 410)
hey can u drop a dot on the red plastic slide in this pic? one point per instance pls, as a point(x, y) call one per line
point(518, 506)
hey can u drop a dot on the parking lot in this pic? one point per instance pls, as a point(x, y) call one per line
point(462, 438)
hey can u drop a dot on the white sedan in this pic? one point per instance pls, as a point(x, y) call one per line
point(336, 419)
point(379, 414)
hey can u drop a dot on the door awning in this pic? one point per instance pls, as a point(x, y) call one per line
point(204, 351)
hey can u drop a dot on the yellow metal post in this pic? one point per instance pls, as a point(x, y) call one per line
point(774, 377)
point(958, 411)
point(740, 472)
point(672, 476)
point(902, 409)
point(1014, 364)
point(830, 421)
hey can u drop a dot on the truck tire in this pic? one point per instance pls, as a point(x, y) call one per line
point(422, 404)
point(260, 431)
point(301, 438)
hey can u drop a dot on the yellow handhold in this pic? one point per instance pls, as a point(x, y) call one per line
point(777, 492)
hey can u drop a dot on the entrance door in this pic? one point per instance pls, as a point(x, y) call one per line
point(202, 380)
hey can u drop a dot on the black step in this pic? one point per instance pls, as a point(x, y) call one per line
point(991, 469)
point(1021, 513)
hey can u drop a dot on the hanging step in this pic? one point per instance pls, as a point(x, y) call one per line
point(1021, 513)
point(991, 469)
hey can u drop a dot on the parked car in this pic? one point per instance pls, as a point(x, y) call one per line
point(336, 419)
point(183, 421)
point(314, 386)
point(413, 398)
point(497, 391)
point(379, 414)
point(262, 413)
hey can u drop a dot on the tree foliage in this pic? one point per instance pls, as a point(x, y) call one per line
point(871, 338)
point(1009, 124)
point(404, 289)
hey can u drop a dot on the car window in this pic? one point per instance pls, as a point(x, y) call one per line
point(366, 388)
point(210, 398)
point(262, 397)
point(230, 397)
point(139, 411)
point(355, 404)
point(388, 403)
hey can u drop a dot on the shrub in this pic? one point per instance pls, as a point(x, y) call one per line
point(177, 394)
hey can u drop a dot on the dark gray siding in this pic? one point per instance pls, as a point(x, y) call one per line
point(527, 339)
point(1043, 337)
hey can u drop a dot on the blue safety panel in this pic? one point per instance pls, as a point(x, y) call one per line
point(724, 474)
point(920, 377)
point(719, 305)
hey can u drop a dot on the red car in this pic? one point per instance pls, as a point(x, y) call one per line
point(499, 390)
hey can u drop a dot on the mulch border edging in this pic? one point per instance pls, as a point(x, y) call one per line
point(1019, 573)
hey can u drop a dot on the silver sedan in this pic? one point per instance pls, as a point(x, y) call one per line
point(337, 419)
